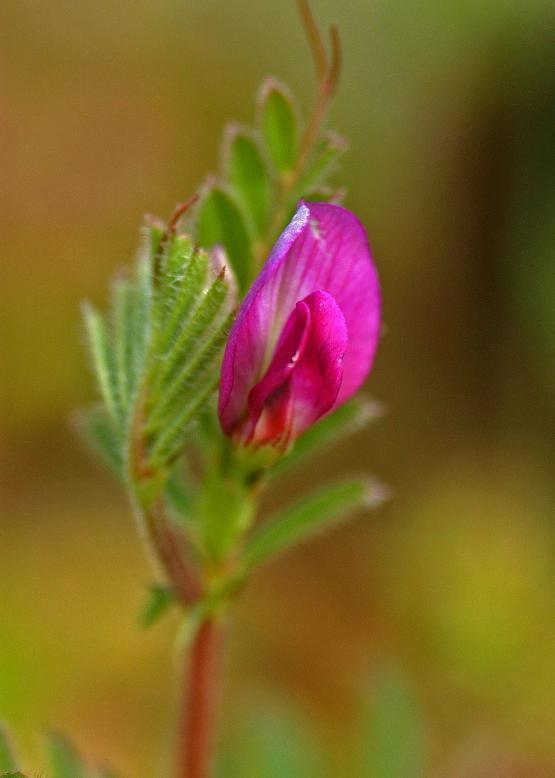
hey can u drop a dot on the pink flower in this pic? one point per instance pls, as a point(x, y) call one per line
point(305, 336)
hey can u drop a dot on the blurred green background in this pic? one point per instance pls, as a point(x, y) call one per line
point(110, 110)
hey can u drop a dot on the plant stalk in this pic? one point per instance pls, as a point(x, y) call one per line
point(199, 703)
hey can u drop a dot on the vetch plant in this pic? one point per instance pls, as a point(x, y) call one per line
point(233, 349)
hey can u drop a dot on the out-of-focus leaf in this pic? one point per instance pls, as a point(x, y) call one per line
point(179, 493)
point(346, 420)
point(63, 759)
point(97, 429)
point(392, 738)
point(124, 338)
point(278, 124)
point(275, 743)
point(159, 599)
point(308, 517)
point(325, 194)
point(7, 756)
point(220, 223)
point(247, 175)
point(12, 775)
point(322, 164)
point(104, 361)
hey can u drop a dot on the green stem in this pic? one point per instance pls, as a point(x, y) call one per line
point(172, 552)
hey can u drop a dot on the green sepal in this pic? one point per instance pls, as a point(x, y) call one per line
point(346, 420)
point(220, 223)
point(63, 759)
point(308, 517)
point(159, 600)
point(247, 175)
point(7, 756)
point(278, 124)
point(98, 431)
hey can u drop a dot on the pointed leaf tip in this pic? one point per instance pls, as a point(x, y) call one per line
point(305, 519)
point(220, 222)
point(278, 123)
point(247, 174)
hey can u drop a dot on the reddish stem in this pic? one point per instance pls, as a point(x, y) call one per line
point(200, 697)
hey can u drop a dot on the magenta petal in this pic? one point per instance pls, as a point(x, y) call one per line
point(290, 349)
point(318, 377)
point(303, 379)
point(324, 248)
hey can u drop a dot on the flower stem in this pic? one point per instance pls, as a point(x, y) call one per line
point(199, 703)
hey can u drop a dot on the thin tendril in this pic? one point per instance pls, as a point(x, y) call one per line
point(314, 38)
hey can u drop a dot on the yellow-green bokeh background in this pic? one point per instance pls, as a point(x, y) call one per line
point(111, 109)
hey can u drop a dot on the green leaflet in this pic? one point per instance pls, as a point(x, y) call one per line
point(306, 518)
point(190, 368)
point(104, 361)
point(7, 756)
point(182, 278)
point(175, 266)
point(63, 759)
point(178, 297)
point(119, 352)
point(190, 376)
point(220, 223)
point(392, 738)
point(344, 421)
point(166, 336)
point(322, 164)
point(124, 329)
point(141, 317)
point(248, 176)
point(169, 444)
point(278, 124)
point(97, 429)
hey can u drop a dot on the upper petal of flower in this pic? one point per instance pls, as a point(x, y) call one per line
point(324, 248)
